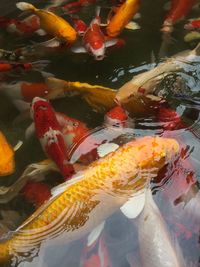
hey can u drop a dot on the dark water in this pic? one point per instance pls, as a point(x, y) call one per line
point(117, 68)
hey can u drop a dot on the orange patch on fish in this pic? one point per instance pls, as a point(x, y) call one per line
point(7, 163)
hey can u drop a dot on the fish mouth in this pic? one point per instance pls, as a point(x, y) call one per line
point(100, 57)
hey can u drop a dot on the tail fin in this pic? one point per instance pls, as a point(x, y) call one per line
point(40, 64)
point(98, 10)
point(25, 6)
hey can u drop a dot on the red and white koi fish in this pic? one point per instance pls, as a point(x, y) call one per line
point(49, 132)
point(73, 7)
point(29, 25)
point(24, 90)
point(94, 41)
point(15, 66)
point(179, 9)
point(117, 116)
point(73, 130)
point(80, 26)
point(193, 24)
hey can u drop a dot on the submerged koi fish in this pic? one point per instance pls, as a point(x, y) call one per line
point(51, 23)
point(80, 26)
point(7, 163)
point(85, 201)
point(117, 116)
point(75, 6)
point(122, 17)
point(29, 25)
point(156, 247)
point(96, 254)
point(94, 41)
point(179, 9)
point(100, 98)
point(49, 133)
point(15, 66)
point(36, 192)
point(193, 24)
point(145, 83)
point(25, 91)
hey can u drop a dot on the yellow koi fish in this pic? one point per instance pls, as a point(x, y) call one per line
point(100, 98)
point(7, 163)
point(51, 23)
point(89, 198)
point(122, 17)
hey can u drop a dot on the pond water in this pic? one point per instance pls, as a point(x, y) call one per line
point(118, 245)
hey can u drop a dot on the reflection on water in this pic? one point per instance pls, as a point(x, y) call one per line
point(175, 189)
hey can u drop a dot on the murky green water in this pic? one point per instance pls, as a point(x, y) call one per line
point(118, 67)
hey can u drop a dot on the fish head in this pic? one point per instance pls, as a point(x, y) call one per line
point(38, 104)
point(98, 51)
point(117, 116)
point(43, 115)
point(146, 156)
point(74, 130)
point(80, 26)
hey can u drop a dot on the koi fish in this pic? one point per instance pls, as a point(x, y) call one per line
point(156, 247)
point(80, 26)
point(75, 6)
point(96, 254)
point(122, 17)
point(193, 24)
point(50, 135)
point(36, 192)
point(15, 66)
point(29, 25)
point(25, 91)
point(171, 119)
point(73, 130)
point(179, 9)
point(7, 163)
point(144, 84)
point(100, 98)
point(94, 41)
point(88, 199)
point(117, 116)
point(51, 23)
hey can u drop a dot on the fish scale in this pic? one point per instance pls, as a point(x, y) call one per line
point(90, 198)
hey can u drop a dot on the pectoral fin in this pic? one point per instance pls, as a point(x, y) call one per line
point(78, 49)
point(94, 235)
point(134, 206)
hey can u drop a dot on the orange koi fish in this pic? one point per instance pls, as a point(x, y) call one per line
point(51, 23)
point(179, 9)
point(122, 17)
point(88, 199)
point(7, 163)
